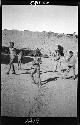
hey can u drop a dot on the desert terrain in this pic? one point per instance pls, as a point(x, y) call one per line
point(20, 97)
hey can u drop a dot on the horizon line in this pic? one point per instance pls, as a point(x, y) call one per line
point(41, 31)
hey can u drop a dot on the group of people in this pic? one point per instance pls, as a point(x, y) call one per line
point(37, 61)
point(35, 64)
point(71, 61)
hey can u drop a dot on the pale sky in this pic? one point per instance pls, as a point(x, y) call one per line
point(55, 18)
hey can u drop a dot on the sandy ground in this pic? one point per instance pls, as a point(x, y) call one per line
point(20, 97)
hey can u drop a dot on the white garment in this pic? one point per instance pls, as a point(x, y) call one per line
point(12, 53)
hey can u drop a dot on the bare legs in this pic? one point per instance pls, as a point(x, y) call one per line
point(11, 65)
point(19, 64)
point(68, 70)
point(36, 70)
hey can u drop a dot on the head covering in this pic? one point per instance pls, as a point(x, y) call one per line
point(70, 52)
point(11, 44)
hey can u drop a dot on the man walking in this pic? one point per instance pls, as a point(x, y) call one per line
point(12, 57)
point(71, 63)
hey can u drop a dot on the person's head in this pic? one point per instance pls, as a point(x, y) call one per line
point(11, 44)
point(71, 53)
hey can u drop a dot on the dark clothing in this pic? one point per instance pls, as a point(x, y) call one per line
point(60, 50)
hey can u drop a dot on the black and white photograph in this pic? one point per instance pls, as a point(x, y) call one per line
point(39, 61)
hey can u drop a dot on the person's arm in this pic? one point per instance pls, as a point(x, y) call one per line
point(40, 61)
point(15, 52)
point(9, 51)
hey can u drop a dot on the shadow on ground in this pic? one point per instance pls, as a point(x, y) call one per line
point(71, 77)
point(50, 79)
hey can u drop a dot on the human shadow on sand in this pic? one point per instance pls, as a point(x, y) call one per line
point(27, 69)
point(71, 77)
point(50, 79)
point(48, 71)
